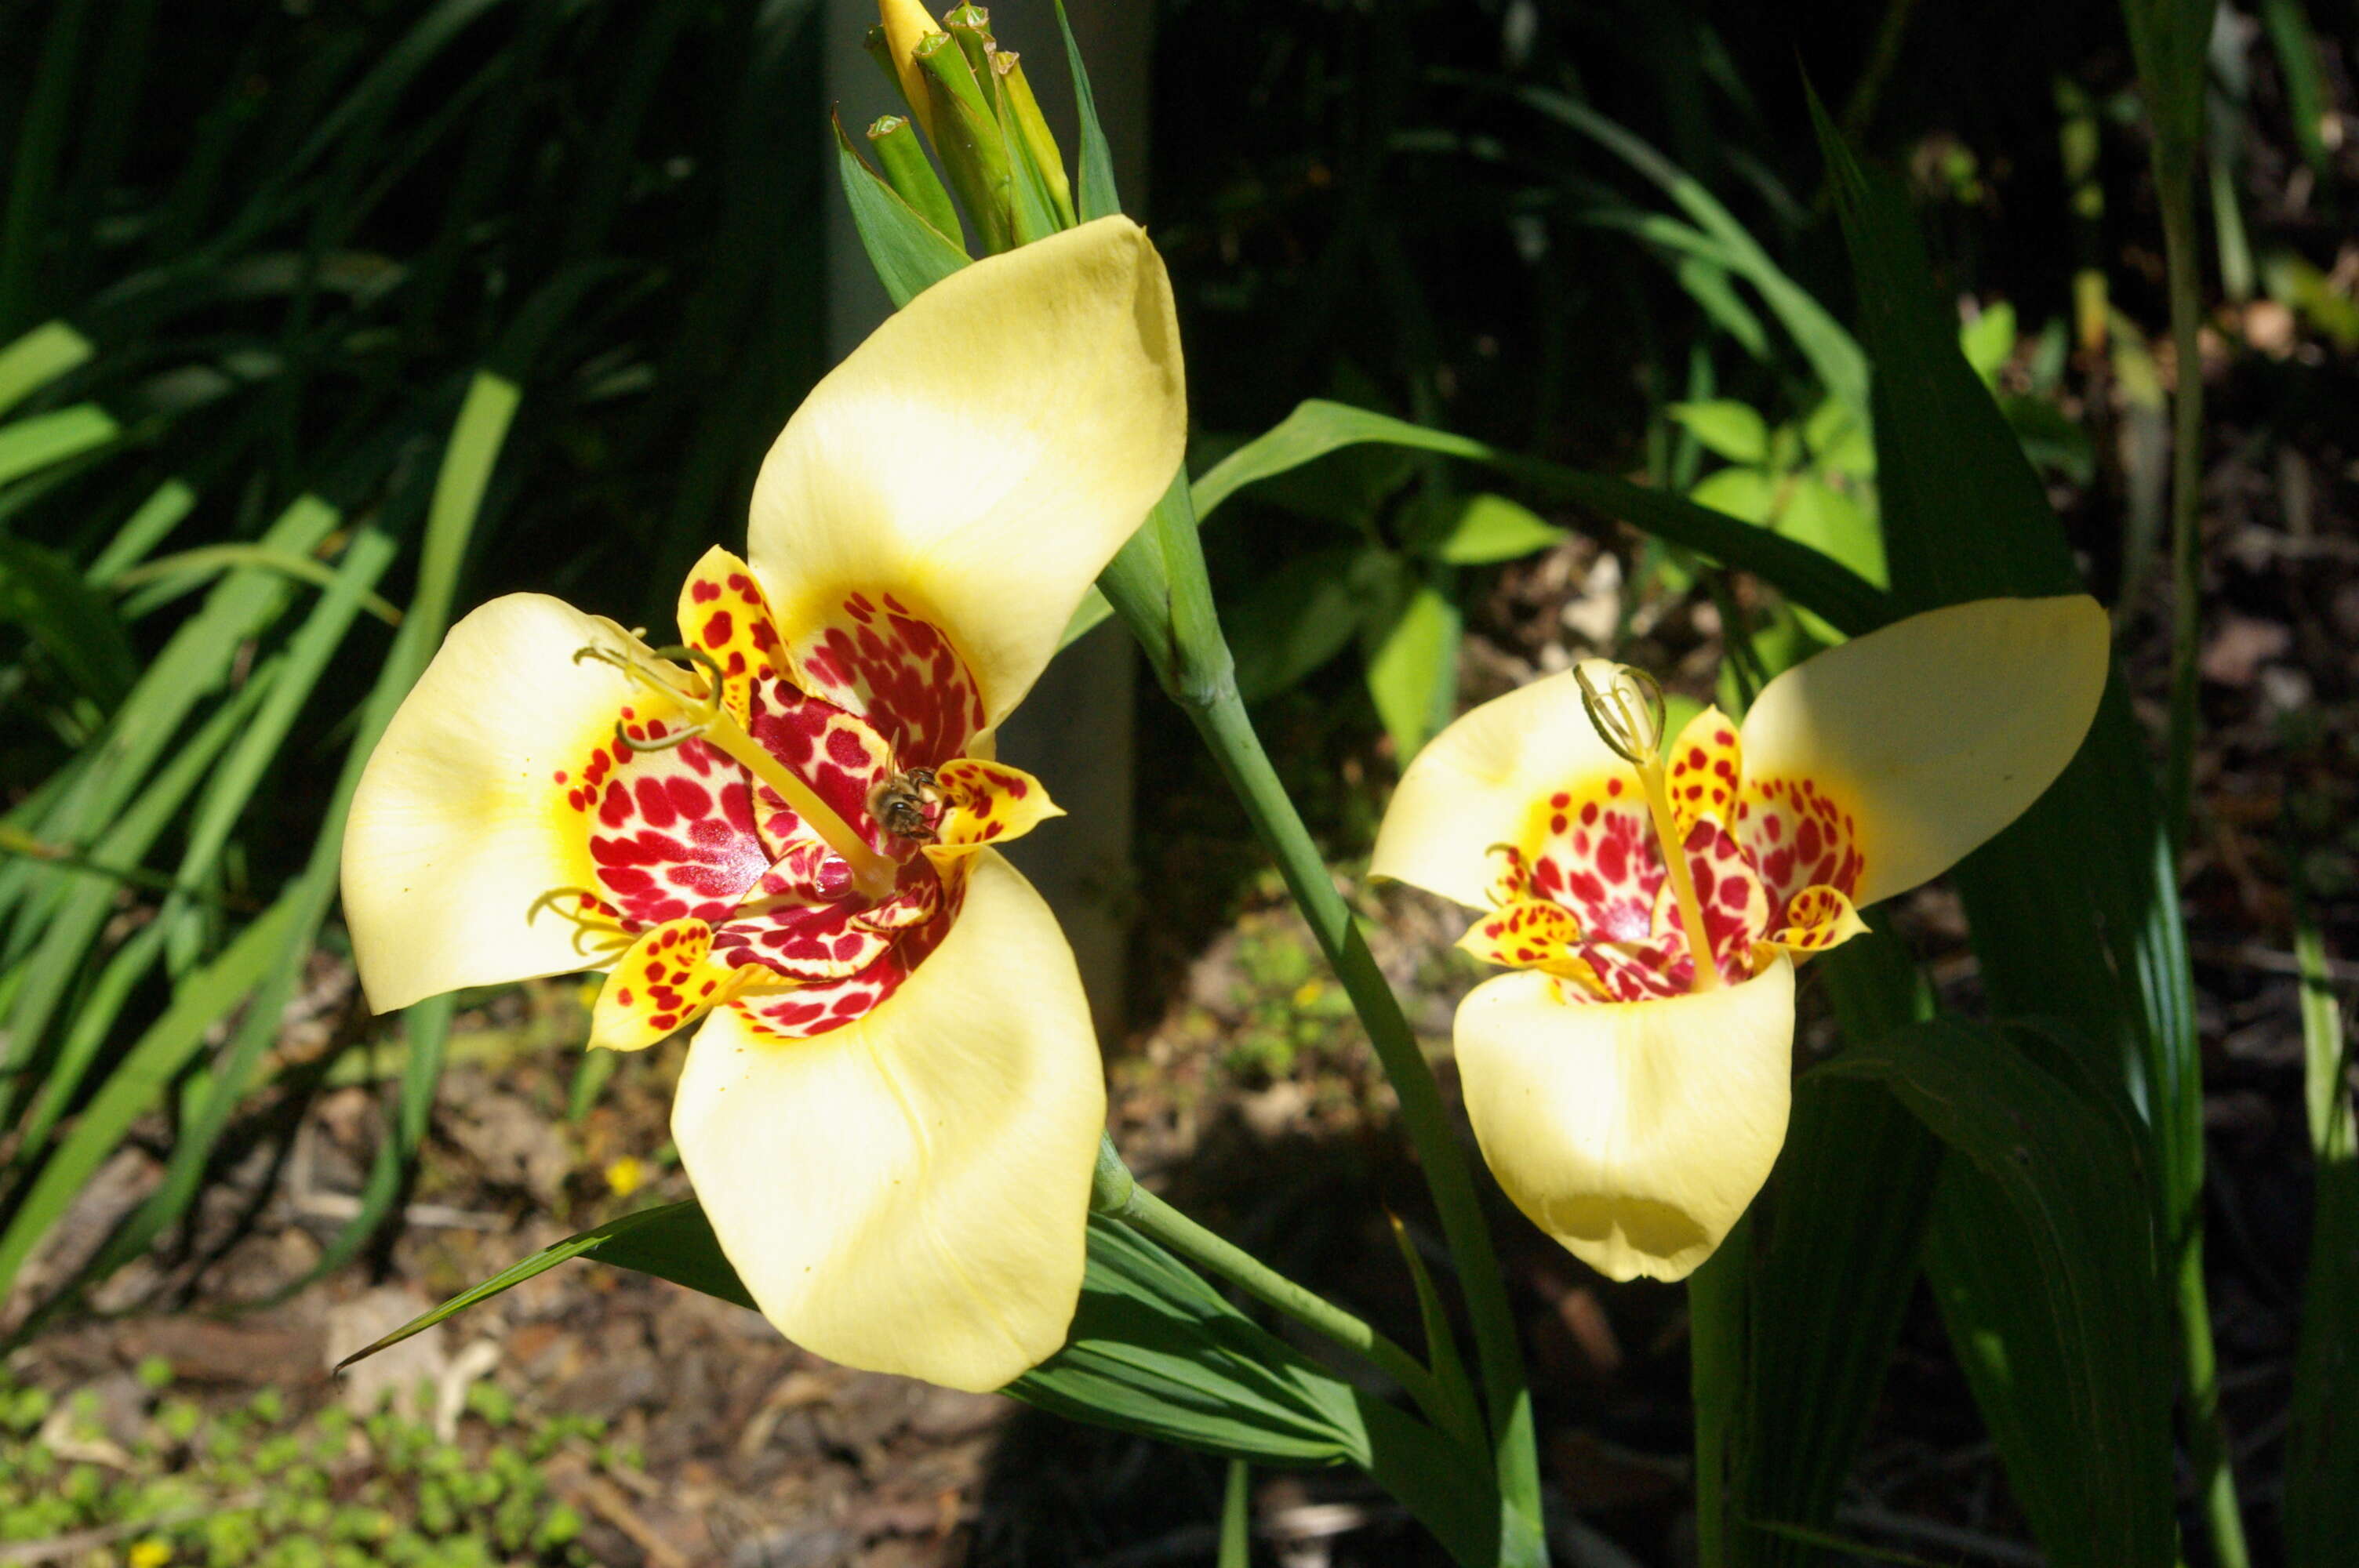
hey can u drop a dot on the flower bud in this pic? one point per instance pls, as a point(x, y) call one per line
point(966, 135)
point(906, 24)
point(970, 25)
point(911, 174)
point(1020, 116)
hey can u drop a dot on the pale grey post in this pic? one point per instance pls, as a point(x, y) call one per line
point(1074, 730)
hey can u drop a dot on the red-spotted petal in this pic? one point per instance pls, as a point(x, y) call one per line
point(1735, 909)
point(871, 654)
point(1800, 835)
point(988, 802)
point(1596, 856)
point(666, 981)
point(722, 612)
point(1817, 918)
point(1705, 764)
point(670, 831)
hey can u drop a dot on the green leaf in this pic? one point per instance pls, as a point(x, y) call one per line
point(1837, 439)
point(1835, 1265)
point(138, 1084)
point(1098, 198)
point(1730, 429)
point(1318, 427)
point(672, 1241)
point(1293, 621)
point(2075, 908)
point(38, 358)
point(910, 255)
point(75, 626)
point(1491, 528)
point(1413, 668)
point(1832, 353)
point(1988, 341)
point(1747, 494)
point(2321, 1506)
point(32, 444)
point(2046, 1266)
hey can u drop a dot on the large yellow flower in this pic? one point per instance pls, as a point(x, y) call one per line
point(1631, 1104)
point(784, 824)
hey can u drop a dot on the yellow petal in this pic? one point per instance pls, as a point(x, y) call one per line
point(1818, 918)
point(988, 802)
point(983, 454)
point(664, 982)
point(1480, 782)
point(1705, 763)
point(1937, 731)
point(460, 830)
point(908, 1194)
point(723, 615)
point(1635, 1133)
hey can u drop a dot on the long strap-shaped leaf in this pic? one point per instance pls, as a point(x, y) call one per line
point(2074, 909)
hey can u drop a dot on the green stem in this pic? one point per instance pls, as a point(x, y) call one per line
point(1158, 585)
point(2207, 1436)
point(1716, 1377)
point(1120, 1197)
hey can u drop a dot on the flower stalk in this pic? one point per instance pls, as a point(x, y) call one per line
point(1159, 586)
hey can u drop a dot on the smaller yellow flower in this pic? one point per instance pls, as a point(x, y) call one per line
point(626, 1175)
point(1629, 1080)
point(153, 1551)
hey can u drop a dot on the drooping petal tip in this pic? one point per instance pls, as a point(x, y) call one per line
point(1633, 1133)
point(910, 1193)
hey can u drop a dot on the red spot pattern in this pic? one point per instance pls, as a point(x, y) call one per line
point(1597, 859)
point(1798, 837)
point(1770, 856)
point(687, 835)
point(878, 659)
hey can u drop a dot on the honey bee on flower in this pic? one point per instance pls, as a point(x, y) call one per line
point(785, 825)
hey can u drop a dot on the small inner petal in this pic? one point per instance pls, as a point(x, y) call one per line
point(988, 802)
point(1800, 835)
point(1705, 766)
point(722, 612)
point(663, 983)
point(1735, 908)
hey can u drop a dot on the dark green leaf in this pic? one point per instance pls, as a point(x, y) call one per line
point(75, 626)
point(2044, 1261)
point(1317, 427)
point(910, 255)
point(1293, 621)
point(1097, 197)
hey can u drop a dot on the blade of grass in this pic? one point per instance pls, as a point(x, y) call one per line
point(139, 1083)
point(38, 441)
point(2075, 908)
point(2321, 1507)
point(54, 965)
point(38, 358)
point(1317, 427)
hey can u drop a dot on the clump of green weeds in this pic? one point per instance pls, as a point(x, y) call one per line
point(261, 1485)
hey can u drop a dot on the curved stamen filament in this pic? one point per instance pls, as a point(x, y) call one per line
point(710, 720)
point(1629, 717)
